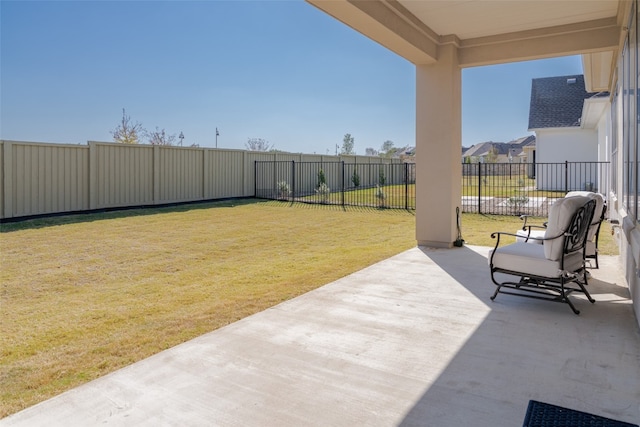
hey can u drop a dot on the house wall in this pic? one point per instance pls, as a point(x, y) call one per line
point(603, 130)
point(618, 138)
point(559, 145)
point(573, 145)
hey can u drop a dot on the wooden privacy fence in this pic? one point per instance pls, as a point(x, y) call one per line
point(44, 178)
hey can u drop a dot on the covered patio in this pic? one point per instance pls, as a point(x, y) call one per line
point(443, 37)
point(412, 340)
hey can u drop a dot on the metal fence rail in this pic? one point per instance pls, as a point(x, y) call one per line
point(487, 188)
point(527, 188)
point(384, 185)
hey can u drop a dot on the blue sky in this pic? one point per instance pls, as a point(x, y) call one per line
point(278, 70)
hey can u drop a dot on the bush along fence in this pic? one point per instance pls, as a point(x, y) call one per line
point(381, 185)
point(527, 188)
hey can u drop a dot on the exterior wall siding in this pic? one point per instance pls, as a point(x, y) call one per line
point(577, 145)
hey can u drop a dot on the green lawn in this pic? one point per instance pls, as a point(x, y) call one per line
point(84, 295)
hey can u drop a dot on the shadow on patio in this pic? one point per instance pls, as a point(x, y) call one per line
point(529, 349)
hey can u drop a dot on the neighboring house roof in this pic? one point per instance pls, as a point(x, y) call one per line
point(525, 141)
point(556, 102)
point(479, 149)
point(501, 148)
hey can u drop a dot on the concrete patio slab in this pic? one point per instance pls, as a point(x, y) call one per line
point(412, 340)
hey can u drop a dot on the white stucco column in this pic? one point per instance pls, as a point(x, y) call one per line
point(438, 149)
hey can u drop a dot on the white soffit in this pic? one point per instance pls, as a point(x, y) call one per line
point(597, 71)
point(481, 18)
point(489, 32)
point(592, 111)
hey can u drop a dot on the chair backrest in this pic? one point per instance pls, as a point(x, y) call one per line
point(570, 215)
point(599, 212)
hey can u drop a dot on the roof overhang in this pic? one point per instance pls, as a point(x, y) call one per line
point(490, 32)
point(592, 111)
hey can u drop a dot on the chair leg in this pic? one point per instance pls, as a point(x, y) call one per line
point(573, 307)
point(583, 288)
point(495, 294)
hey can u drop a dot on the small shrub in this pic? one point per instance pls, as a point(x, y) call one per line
point(382, 179)
point(283, 190)
point(517, 202)
point(323, 191)
point(321, 178)
point(355, 178)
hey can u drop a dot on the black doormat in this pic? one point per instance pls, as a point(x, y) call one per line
point(541, 414)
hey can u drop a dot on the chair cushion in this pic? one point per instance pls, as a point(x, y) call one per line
point(560, 216)
point(521, 236)
point(591, 249)
point(530, 259)
point(597, 213)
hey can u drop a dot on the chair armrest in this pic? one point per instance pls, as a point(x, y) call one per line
point(498, 234)
point(525, 218)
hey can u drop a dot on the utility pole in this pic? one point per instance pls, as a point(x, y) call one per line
point(217, 135)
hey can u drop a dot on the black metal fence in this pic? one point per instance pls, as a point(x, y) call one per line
point(383, 185)
point(527, 188)
point(487, 188)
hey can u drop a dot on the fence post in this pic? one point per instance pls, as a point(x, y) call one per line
point(9, 196)
point(93, 175)
point(293, 180)
point(406, 186)
point(479, 186)
point(566, 176)
point(343, 183)
point(255, 178)
point(156, 174)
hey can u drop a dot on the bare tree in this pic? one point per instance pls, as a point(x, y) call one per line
point(370, 151)
point(387, 149)
point(257, 144)
point(160, 137)
point(127, 132)
point(347, 144)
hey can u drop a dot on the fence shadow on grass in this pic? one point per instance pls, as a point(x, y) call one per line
point(337, 207)
point(51, 220)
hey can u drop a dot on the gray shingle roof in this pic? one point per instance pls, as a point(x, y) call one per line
point(557, 101)
point(515, 147)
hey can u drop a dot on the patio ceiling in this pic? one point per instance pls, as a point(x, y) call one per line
point(492, 32)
